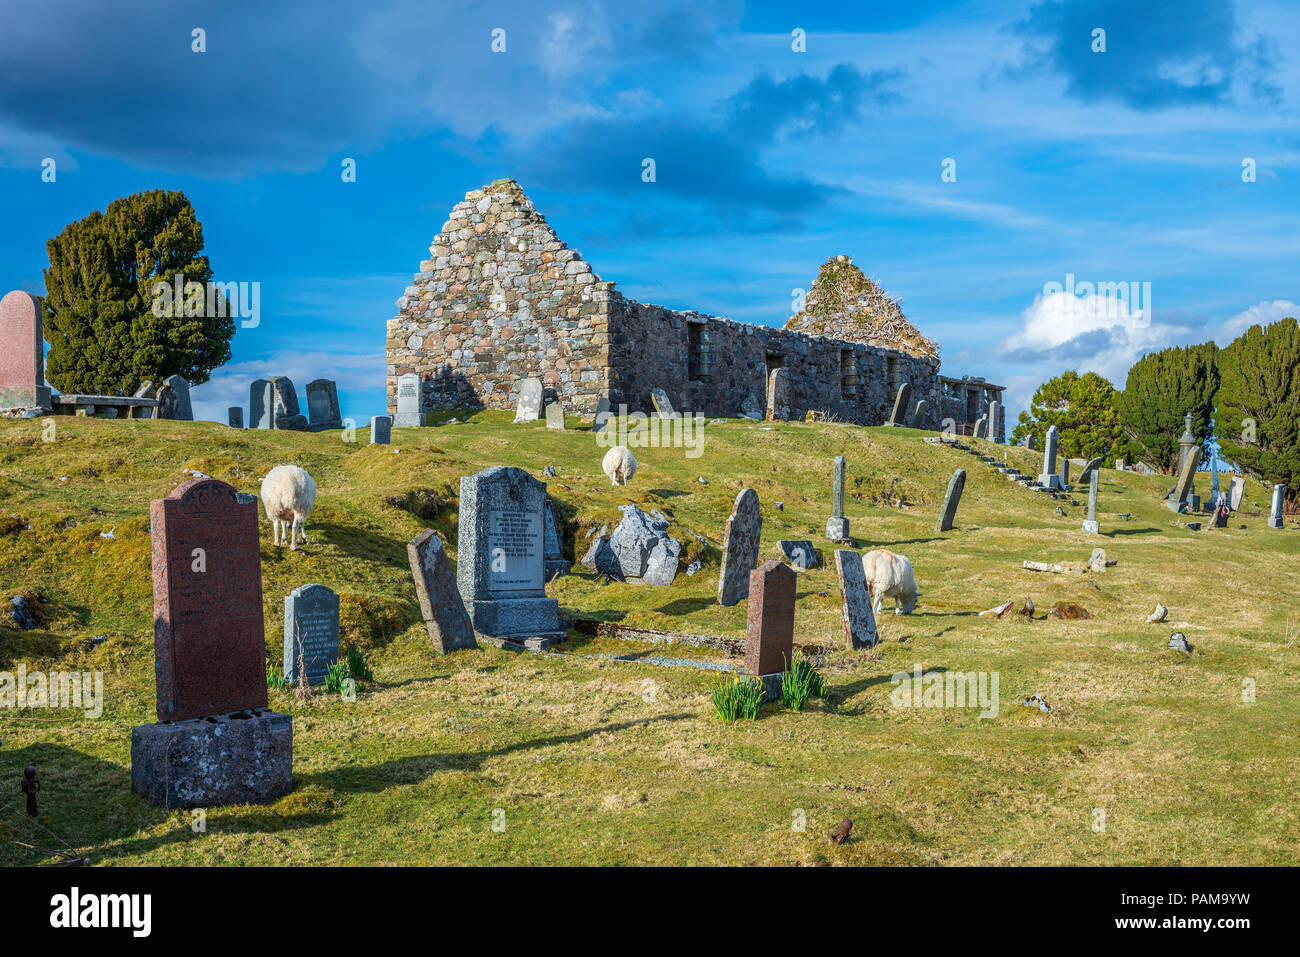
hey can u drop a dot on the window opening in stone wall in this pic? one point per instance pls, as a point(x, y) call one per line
point(848, 374)
point(695, 350)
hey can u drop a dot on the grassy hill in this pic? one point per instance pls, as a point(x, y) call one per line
point(593, 759)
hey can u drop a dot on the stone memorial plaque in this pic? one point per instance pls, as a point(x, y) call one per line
point(515, 551)
point(209, 642)
point(311, 633)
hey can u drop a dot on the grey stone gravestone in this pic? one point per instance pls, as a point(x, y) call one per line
point(1090, 526)
point(740, 547)
point(603, 412)
point(918, 415)
point(381, 430)
point(950, 501)
point(555, 416)
point(311, 633)
point(284, 405)
point(261, 405)
point(1275, 509)
point(1048, 478)
point(663, 405)
point(169, 404)
point(501, 560)
point(995, 422)
point(801, 554)
point(323, 405)
point(1235, 490)
point(235, 416)
point(981, 428)
point(146, 390)
point(441, 605)
point(837, 526)
point(408, 401)
point(900, 404)
point(529, 408)
point(556, 564)
point(855, 601)
point(179, 385)
point(1181, 495)
point(778, 395)
point(1092, 465)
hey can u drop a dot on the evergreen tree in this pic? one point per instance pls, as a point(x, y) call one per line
point(100, 321)
point(1258, 404)
point(1082, 407)
point(1162, 388)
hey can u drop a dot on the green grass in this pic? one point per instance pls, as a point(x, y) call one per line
point(604, 761)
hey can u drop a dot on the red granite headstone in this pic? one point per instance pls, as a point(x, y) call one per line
point(209, 642)
point(769, 631)
point(22, 352)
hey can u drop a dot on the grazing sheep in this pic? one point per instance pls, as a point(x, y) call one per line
point(619, 465)
point(890, 576)
point(288, 493)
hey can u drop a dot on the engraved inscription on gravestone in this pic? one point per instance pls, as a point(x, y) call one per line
point(311, 632)
point(514, 542)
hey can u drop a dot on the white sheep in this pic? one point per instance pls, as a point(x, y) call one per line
point(890, 576)
point(619, 464)
point(288, 493)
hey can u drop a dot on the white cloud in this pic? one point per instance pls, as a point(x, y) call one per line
point(229, 385)
point(1260, 314)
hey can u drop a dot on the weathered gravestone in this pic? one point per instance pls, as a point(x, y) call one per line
point(22, 353)
point(441, 606)
point(311, 633)
point(184, 410)
point(769, 624)
point(778, 395)
point(1048, 478)
point(556, 564)
point(284, 405)
point(529, 408)
point(145, 390)
point(381, 430)
point(900, 404)
point(855, 601)
point(555, 416)
point(918, 415)
point(1090, 467)
point(981, 428)
point(800, 554)
point(261, 405)
point(323, 405)
point(215, 743)
point(501, 560)
point(1236, 489)
point(837, 526)
point(1275, 510)
point(663, 405)
point(235, 416)
point(408, 401)
point(1090, 526)
point(995, 423)
point(1180, 497)
point(950, 501)
point(740, 547)
point(169, 403)
point(603, 412)
point(1065, 471)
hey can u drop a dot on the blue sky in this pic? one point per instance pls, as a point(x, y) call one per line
point(1115, 166)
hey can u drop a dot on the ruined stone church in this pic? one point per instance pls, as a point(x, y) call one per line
point(501, 298)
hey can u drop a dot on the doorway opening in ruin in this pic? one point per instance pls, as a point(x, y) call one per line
point(775, 360)
point(972, 405)
point(891, 373)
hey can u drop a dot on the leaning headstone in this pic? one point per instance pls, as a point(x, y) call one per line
point(769, 624)
point(981, 428)
point(441, 605)
point(381, 430)
point(500, 564)
point(235, 416)
point(663, 405)
point(603, 412)
point(917, 419)
point(837, 526)
point(529, 408)
point(1048, 478)
point(555, 416)
point(145, 390)
point(855, 601)
point(408, 401)
point(22, 353)
point(740, 547)
point(261, 405)
point(323, 405)
point(284, 405)
point(950, 501)
point(900, 404)
point(181, 388)
point(1180, 498)
point(1090, 526)
point(1236, 489)
point(1092, 465)
point(1275, 510)
point(556, 564)
point(214, 742)
point(778, 395)
point(311, 634)
point(800, 554)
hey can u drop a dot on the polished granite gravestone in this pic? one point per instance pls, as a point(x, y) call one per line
point(408, 401)
point(311, 633)
point(441, 606)
point(22, 353)
point(381, 430)
point(214, 742)
point(323, 405)
point(856, 616)
point(1275, 508)
point(769, 624)
point(801, 554)
point(500, 568)
point(235, 416)
point(740, 542)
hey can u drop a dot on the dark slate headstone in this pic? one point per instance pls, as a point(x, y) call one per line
point(769, 624)
point(169, 403)
point(800, 554)
point(740, 547)
point(837, 527)
point(855, 601)
point(381, 430)
point(235, 416)
point(284, 405)
point(441, 606)
point(918, 415)
point(181, 388)
point(950, 501)
point(311, 633)
point(323, 405)
point(261, 405)
point(603, 412)
point(1092, 465)
point(900, 404)
point(209, 641)
point(501, 559)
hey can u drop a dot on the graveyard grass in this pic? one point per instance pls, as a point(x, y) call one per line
point(593, 760)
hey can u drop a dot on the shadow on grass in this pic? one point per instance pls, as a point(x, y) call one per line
point(1128, 531)
point(842, 693)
